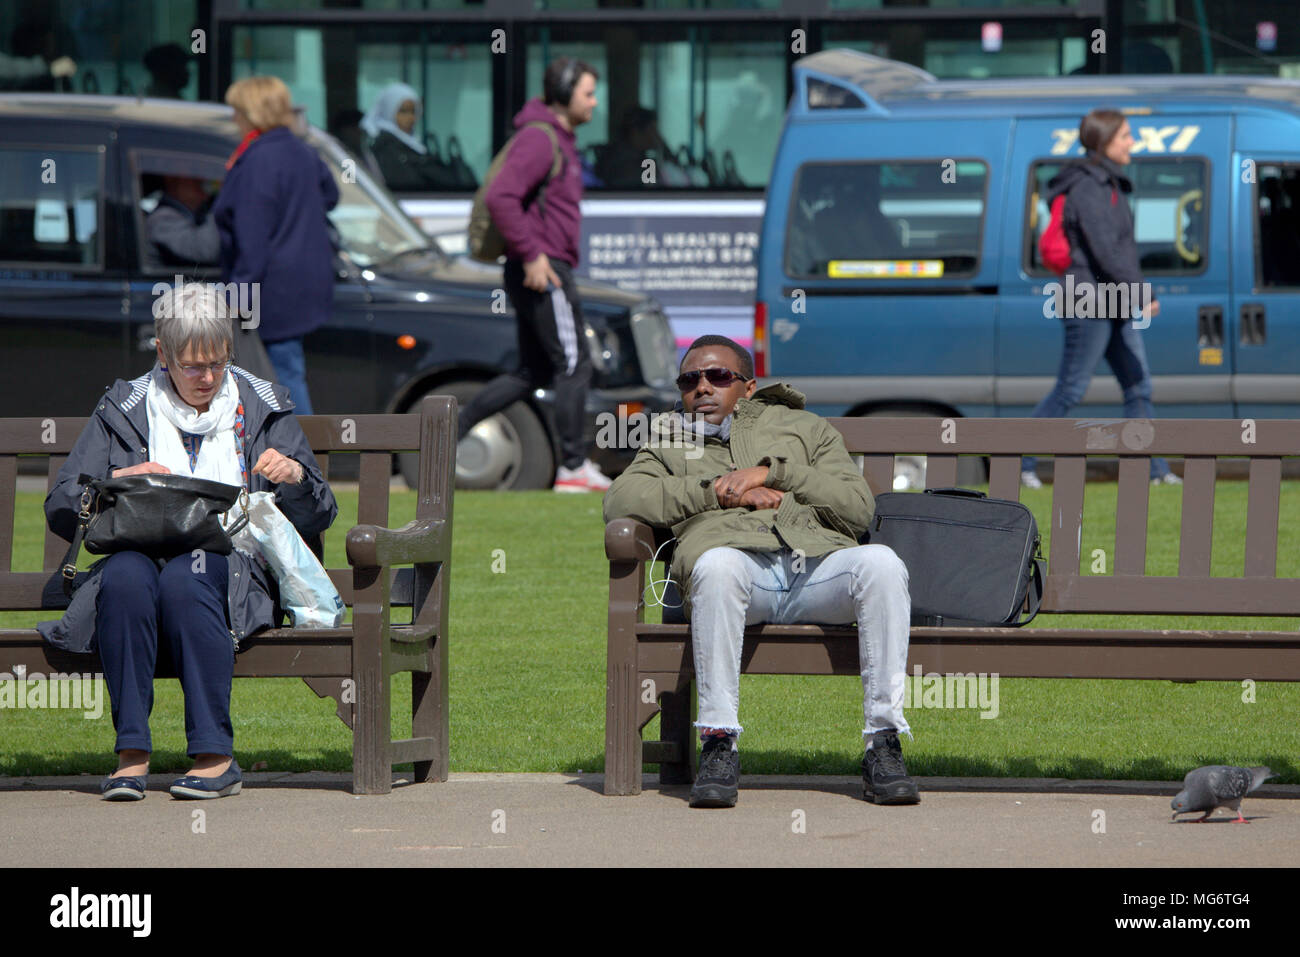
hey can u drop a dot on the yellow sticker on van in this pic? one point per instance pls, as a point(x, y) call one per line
point(885, 268)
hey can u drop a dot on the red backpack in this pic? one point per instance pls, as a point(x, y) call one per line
point(1053, 247)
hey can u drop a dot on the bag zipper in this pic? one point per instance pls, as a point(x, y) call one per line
point(942, 521)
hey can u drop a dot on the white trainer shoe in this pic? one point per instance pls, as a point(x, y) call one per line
point(587, 477)
point(1030, 479)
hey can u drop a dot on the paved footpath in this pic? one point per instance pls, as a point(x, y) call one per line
point(564, 819)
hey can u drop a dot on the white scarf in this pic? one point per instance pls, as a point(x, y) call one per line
point(169, 415)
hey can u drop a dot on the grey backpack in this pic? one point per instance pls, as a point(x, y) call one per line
point(486, 244)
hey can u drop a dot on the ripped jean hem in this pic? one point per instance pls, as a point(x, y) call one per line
point(705, 726)
point(868, 735)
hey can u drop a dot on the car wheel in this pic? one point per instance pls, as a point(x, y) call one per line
point(509, 450)
point(909, 470)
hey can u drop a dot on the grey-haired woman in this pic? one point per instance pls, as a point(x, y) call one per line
point(193, 414)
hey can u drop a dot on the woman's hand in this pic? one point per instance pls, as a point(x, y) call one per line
point(147, 468)
point(279, 468)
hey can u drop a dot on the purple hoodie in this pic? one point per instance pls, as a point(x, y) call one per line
point(527, 165)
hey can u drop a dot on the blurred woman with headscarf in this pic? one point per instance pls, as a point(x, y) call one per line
point(404, 160)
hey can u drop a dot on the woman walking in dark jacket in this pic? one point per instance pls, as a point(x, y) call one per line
point(194, 414)
point(1099, 226)
point(274, 232)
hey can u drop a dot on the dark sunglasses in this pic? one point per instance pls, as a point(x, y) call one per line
point(722, 378)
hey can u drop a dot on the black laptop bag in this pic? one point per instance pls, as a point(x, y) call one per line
point(971, 559)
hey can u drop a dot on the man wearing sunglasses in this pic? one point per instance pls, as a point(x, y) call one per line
point(767, 508)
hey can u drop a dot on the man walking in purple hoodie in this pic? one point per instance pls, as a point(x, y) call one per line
point(541, 253)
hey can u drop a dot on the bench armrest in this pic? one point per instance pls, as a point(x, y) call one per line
point(627, 540)
point(417, 542)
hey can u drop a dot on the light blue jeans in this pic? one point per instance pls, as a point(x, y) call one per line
point(1086, 341)
point(291, 369)
point(731, 588)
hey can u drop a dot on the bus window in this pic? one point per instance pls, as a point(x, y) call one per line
point(417, 105)
point(1277, 218)
point(886, 220)
point(680, 108)
point(1170, 214)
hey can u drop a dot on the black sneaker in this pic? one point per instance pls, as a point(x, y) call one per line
point(719, 779)
point(884, 776)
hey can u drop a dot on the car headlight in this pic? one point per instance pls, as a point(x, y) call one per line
point(655, 347)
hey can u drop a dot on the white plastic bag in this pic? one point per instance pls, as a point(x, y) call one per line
point(306, 592)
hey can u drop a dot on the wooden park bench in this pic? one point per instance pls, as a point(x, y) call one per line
point(351, 664)
point(649, 668)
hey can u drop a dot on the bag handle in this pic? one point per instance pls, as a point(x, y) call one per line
point(239, 524)
point(69, 565)
point(957, 492)
point(1037, 580)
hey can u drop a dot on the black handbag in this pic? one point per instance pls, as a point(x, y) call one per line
point(971, 559)
point(159, 515)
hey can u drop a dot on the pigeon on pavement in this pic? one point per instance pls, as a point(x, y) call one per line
point(1216, 786)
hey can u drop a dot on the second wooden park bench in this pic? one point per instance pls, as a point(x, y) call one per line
point(649, 666)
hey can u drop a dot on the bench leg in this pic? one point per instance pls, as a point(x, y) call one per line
point(429, 714)
point(372, 732)
point(676, 720)
point(622, 734)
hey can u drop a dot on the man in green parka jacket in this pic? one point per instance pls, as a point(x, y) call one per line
point(767, 508)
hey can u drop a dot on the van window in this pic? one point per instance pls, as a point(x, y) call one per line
point(49, 207)
point(1277, 219)
point(1170, 214)
point(886, 220)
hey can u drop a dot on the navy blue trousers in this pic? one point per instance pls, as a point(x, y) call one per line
point(137, 602)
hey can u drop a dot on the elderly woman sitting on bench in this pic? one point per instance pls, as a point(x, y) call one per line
point(193, 414)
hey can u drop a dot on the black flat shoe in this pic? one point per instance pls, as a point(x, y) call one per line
point(204, 789)
point(125, 787)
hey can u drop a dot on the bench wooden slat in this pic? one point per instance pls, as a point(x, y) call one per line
point(376, 473)
point(1174, 438)
point(1152, 595)
point(940, 471)
point(1011, 653)
point(1067, 514)
point(1004, 477)
point(8, 480)
point(879, 473)
point(1196, 537)
point(55, 547)
point(323, 461)
point(362, 433)
point(1262, 504)
point(1131, 515)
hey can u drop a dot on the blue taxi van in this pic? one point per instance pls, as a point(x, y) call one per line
point(898, 267)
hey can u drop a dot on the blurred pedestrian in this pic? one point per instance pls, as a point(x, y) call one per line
point(541, 253)
point(275, 240)
point(1099, 226)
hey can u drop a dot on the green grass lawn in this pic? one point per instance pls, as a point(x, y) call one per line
point(528, 671)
